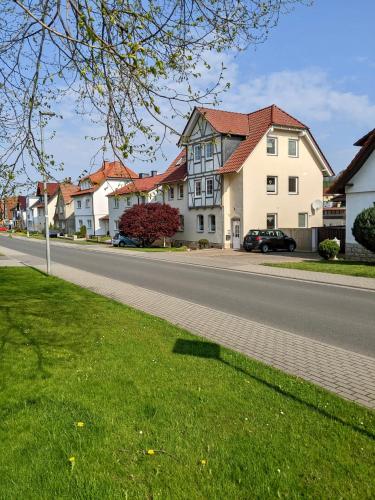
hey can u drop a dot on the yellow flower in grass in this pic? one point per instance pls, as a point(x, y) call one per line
point(72, 460)
point(80, 424)
point(203, 461)
point(150, 452)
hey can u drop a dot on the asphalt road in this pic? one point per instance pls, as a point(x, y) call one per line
point(338, 316)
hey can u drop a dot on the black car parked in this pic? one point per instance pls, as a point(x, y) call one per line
point(267, 240)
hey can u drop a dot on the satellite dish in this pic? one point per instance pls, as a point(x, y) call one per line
point(317, 204)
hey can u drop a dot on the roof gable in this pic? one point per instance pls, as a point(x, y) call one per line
point(144, 185)
point(110, 170)
point(367, 144)
point(52, 188)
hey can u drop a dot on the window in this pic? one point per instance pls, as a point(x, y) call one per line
point(142, 200)
point(293, 185)
point(128, 201)
point(271, 145)
point(89, 224)
point(197, 152)
point(61, 209)
point(293, 147)
point(182, 222)
point(116, 202)
point(87, 202)
point(79, 204)
point(211, 223)
point(80, 223)
point(116, 224)
point(302, 219)
point(271, 221)
point(200, 224)
point(209, 186)
point(271, 184)
point(209, 150)
point(198, 189)
point(180, 191)
point(171, 193)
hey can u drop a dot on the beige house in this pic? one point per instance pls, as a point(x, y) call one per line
point(64, 213)
point(246, 171)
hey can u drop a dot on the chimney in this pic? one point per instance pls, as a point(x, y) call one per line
point(153, 173)
point(142, 175)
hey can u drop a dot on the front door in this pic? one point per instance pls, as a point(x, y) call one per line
point(236, 242)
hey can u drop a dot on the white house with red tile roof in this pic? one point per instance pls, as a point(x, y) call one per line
point(357, 182)
point(247, 171)
point(35, 206)
point(91, 202)
point(146, 189)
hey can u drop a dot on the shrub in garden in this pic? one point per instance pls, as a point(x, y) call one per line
point(364, 228)
point(203, 243)
point(328, 249)
point(150, 222)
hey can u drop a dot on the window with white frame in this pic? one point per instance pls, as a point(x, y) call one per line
point(116, 202)
point(128, 201)
point(87, 202)
point(89, 226)
point(116, 224)
point(171, 193)
point(209, 186)
point(180, 191)
point(271, 184)
point(272, 145)
point(293, 147)
point(212, 223)
point(197, 152)
point(200, 223)
point(293, 185)
point(271, 221)
point(303, 219)
point(198, 188)
point(79, 204)
point(209, 150)
point(80, 223)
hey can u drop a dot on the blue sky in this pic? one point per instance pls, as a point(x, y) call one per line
point(318, 65)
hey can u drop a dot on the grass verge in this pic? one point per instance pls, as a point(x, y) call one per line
point(219, 424)
point(363, 269)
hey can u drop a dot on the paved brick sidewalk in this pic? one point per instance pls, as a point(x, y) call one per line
point(346, 373)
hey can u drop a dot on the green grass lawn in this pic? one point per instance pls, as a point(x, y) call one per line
point(366, 270)
point(221, 425)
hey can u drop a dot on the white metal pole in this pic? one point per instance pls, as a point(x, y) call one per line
point(48, 253)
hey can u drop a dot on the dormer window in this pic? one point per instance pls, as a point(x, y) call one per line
point(197, 151)
point(272, 146)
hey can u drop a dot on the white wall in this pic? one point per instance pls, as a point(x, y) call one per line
point(360, 195)
point(154, 196)
point(98, 207)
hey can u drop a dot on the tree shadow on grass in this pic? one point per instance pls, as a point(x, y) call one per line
point(210, 350)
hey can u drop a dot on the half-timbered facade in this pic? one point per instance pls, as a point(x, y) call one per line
point(247, 171)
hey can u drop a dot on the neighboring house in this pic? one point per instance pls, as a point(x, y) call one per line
point(145, 189)
point(35, 206)
point(334, 209)
point(175, 192)
point(357, 182)
point(64, 214)
point(258, 170)
point(90, 201)
point(19, 212)
point(12, 211)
